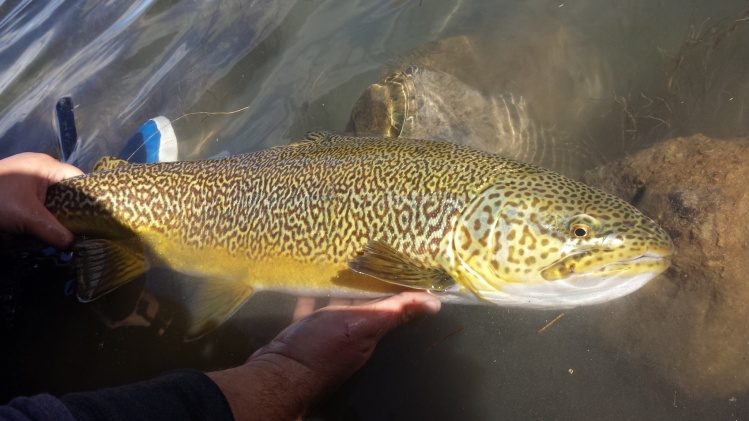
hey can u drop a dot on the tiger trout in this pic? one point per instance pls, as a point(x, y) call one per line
point(336, 215)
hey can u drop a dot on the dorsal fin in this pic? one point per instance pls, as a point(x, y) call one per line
point(313, 137)
point(108, 163)
point(316, 136)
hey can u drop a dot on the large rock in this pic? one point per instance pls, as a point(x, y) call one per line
point(691, 322)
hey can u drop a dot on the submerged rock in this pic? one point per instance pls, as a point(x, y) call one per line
point(690, 324)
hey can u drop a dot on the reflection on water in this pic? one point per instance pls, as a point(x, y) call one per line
point(616, 76)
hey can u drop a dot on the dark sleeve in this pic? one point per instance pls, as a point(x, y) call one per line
point(35, 408)
point(177, 395)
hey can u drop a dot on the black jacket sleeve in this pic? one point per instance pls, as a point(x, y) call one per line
point(42, 407)
point(177, 395)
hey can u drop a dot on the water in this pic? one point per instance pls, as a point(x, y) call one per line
point(243, 76)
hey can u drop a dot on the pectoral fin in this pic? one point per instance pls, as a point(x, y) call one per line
point(105, 265)
point(383, 262)
point(215, 302)
point(109, 162)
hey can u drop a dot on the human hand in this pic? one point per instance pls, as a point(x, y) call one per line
point(306, 305)
point(24, 179)
point(285, 379)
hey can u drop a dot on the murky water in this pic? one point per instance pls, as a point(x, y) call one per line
point(616, 76)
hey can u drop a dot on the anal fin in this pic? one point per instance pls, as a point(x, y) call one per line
point(383, 262)
point(216, 301)
point(105, 265)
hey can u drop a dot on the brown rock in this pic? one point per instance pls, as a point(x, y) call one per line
point(690, 323)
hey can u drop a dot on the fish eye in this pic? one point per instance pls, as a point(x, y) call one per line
point(580, 230)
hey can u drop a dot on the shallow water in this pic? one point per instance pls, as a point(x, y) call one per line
point(243, 76)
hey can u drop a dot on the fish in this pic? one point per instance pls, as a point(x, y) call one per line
point(421, 102)
point(334, 215)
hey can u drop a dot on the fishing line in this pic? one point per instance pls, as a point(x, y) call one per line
point(208, 113)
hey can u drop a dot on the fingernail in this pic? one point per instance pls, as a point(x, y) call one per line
point(64, 239)
point(432, 306)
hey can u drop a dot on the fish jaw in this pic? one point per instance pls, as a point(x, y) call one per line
point(602, 262)
point(584, 290)
point(598, 286)
point(595, 286)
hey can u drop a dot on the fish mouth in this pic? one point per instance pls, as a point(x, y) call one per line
point(648, 262)
point(661, 255)
point(652, 260)
point(647, 257)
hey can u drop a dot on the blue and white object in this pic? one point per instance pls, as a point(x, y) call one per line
point(154, 141)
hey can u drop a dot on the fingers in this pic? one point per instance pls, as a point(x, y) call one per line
point(409, 304)
point(304, 306)
point(378, 317)
point(55, 234)
point(50, 171)
point(40, 223)
point(24, 179)
point(333, 301)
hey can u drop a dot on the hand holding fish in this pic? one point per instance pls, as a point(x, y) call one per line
point(24, 179)
point(312, 357)
point(283, 380)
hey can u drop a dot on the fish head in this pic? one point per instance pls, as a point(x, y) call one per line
point(546, 241)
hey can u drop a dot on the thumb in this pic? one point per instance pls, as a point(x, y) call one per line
point(55, 172)
point(62, 171)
